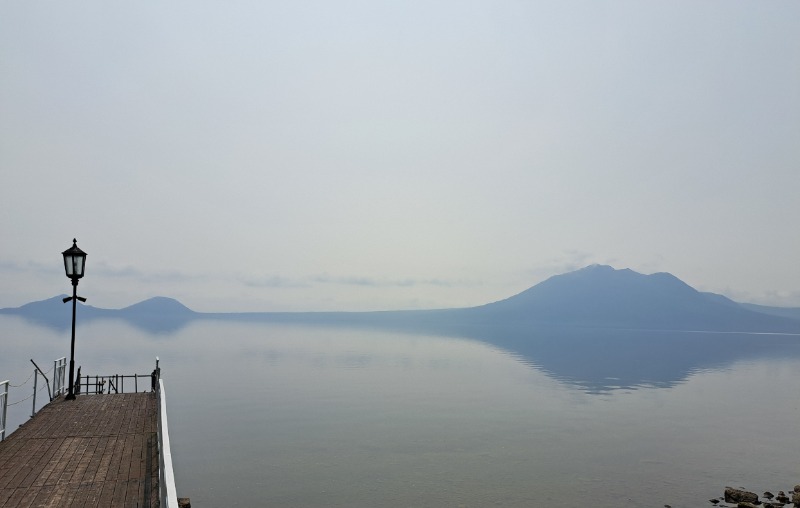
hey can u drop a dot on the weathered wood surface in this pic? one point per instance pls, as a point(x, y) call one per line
point(97, 450)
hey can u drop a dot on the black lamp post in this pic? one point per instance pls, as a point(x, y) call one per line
point(74, 265)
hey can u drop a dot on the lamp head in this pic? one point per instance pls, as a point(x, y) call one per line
point(74, 261)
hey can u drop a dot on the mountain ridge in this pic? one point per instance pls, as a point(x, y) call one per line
point(593, 296)
point(599, 295)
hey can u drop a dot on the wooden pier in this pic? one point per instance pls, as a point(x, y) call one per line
point(94, 451)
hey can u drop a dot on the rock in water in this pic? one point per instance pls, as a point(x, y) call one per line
point(739, 496)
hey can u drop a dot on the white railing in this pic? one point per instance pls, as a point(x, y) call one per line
point(59, 370)
point(3, 407)
point(114, 383)
point(58, 385)
point(166, 476)
point(59, 376)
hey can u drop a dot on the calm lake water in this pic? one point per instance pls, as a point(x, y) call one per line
point(287, 415)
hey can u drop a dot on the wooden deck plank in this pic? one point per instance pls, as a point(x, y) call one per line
point(63, 473)
point(134, 495)
point(56, 468)
point(98, 450)
point(85, 459)
point(138, 451)
point(120, 489)
point(89, 476)
point(106, 495)
point(68, 494)
point(48, 462)
point(80, 445)
point(28, 496)
point(125, 460)
point(151, 468)
point(25, 457)
point(35, 464)
point(112, 464)
point(13, 447)
point(13, 499)
point(81, 494)
point(93, 497)
point(105, 460)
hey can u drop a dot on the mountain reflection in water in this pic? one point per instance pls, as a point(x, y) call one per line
point(595, 360)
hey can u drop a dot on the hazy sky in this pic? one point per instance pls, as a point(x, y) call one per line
point(361, 155)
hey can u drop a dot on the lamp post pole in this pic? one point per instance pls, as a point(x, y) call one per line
point(74, 265)
point(71, 391)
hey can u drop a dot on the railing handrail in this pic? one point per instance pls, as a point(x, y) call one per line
point(110, 376)
point(114, 382)
point(166, 475)
point(98, 382)
point(58, 388)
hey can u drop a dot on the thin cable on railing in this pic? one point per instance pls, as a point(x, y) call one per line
point(28, 397)
point(29, 378)
point(23, 383)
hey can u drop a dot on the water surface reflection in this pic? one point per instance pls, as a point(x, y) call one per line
point(287, 415)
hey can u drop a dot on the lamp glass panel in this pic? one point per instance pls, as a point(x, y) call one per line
point(69, 264)
point(79, 261)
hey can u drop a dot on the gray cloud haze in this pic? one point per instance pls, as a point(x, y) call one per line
point(227, 154)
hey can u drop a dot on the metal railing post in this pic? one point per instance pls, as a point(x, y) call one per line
point(154, 377)
point(35, 380)
point(3, 407)
point(49, 393)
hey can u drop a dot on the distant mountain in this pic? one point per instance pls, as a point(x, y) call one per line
point(158, 306)
point(601, 296)
point(790, 312)
point(597, 296)
point(52, 309)
point(156, 315)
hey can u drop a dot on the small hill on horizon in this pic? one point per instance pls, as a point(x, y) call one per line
point(158, 305)
point(157, 315)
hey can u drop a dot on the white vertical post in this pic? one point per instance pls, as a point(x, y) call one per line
point(58, 376)
point(166, 483)
point(3, 407)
